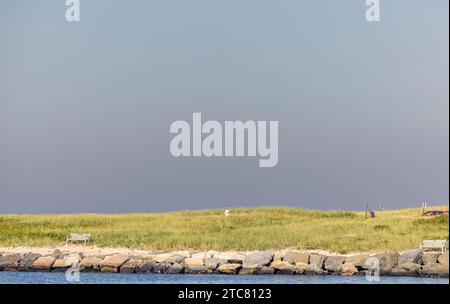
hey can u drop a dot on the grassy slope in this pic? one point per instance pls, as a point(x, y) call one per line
point(246, 229)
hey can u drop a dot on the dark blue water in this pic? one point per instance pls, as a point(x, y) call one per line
point(101, 278)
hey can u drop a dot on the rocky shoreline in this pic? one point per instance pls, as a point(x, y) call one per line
point(413, 262)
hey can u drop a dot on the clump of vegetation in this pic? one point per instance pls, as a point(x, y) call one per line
point(439, 220)
point(245, 229)
point(380, 227)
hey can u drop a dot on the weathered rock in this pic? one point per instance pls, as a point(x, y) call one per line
point(443, 260)
point(356, 260)
point(60, 265)
point(90, 264)
point(43, 263)
point(162, 257)
point(27, 260)
point(113, 263)
point(196, 270)
point(194, 262)
point(282, 267)
point(296, 257)
point(9, 262)
point(408, 263)
point(411, 256)
point(259, 258)
point(213, 263)
point(266, 270)
point(231, 258)
point(146, 266)
point(130, 266)
point(251, 270)
point(66, 262)
point(435, 270)
point(386, 262)
point(317, 259)
point(175, 269)
point(399, 272)
point(278, 256)
point(314, 269)
point(347, 269)
point(300, 267)
point(332, 263)
point(175, 259)
point(430, 258)
point(95, 254)
point(411, 267)
point(229, 268)
point(161, 267)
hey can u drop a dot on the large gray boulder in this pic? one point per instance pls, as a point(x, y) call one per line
point(332, 263)
point(314, 269)
point(90, 264)
point(229, 268)
point(399, 272)
point(406, 269)
point(429, 258)
point(443, 260)
point(213, 263)
point(300, 268)
point(230, 257)
point(27, 260)
point(113, 263)
point(411, 267)
point(161, 267)
point(266, 270)
point(175, 269)
point(347, 270)
point(146, 266)
point(357, 260)
point(282, 267)
point(175, 259)
point(386, 262)
point(196, 270)
point(434, 270)
point(9, 262)
point(411, 256)
point(161, 257)
point(130, 266)
point(251, 270)
point(44, 263)
point(194, 262)
point(296, 257)
point(317, 259)
point(65, 262)
point(259, 259)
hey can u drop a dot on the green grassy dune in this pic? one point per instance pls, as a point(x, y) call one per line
point(246, 229)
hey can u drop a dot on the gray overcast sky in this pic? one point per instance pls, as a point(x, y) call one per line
point(85, 108)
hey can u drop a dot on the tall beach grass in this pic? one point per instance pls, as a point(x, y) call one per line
point(245, 229)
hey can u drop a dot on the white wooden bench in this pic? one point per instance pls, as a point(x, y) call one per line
point(86, 238)
point(434, 244)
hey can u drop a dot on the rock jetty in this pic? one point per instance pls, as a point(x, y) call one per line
point(288, 262)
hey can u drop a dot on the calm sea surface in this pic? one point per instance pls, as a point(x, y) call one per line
point(100, 278)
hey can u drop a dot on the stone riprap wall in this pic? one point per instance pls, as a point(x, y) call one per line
point(289, 262)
